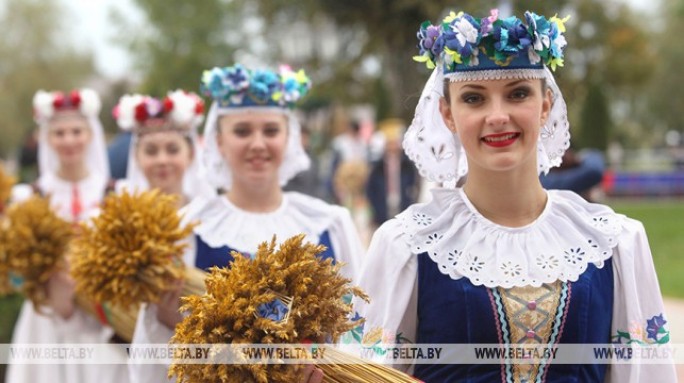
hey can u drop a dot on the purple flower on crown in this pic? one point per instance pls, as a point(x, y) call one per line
point(486, 24)
point(511, 37)
point(263, 85)
point(655, 326)
point(462, 35)
point(429, 39)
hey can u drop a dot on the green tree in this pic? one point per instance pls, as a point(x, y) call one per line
point(35, 53)
point(665, 96)
point(347, 36)
point(595, 121)
point(177, 41)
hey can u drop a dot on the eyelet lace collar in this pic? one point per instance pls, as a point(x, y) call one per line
point(223, 224)
point(559, 245)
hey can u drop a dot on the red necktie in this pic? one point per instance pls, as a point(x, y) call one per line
point(75, 203)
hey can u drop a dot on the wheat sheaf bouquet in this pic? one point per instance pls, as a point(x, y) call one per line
point(6, 183)
point(132, 253)
point(35, 242)
point(284, 295)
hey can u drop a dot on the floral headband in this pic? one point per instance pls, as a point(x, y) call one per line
point(463, 43)
point(46, 104)
point(238, 86)
point(178, 110)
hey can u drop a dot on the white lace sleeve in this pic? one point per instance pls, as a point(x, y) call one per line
point(389, 277)
point(638, 310)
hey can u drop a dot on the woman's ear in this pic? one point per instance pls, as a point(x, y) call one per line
point(445, 111)
point(546, 106)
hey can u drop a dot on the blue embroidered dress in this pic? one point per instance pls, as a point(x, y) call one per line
point(442, 273)
point(224, 227)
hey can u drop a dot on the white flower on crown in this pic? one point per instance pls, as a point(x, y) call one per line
point(532, 55)
point(90, 103)
point(187, 109)
point(125, 114)
point(44, 103)
point(465, 31)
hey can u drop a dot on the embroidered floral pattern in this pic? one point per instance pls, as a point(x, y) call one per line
point(653, 333)
point(464, 244)
point(510, 269)
point(547, 262)
point(422, 219)
point(574, 255)
point(453, 257)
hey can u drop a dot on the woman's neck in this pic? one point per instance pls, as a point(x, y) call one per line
point(72, 173)
point(506, 198)
point(256, 200)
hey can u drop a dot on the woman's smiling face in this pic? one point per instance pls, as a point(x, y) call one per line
point(497, 121)
point(253, 145)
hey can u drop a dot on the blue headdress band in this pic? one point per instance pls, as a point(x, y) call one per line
point(237, 86)
point(464, 44)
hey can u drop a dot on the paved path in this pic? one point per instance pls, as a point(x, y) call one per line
point(674, 308)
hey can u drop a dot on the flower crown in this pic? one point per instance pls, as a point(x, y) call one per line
point(238, 86)
point(46, 104)
point(504, 43)
point(178, 110)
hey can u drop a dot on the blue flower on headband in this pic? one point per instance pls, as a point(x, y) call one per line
point(511, 37)
point(213, 84)
point(237, 78)
point(262, 85)
point(274, 310)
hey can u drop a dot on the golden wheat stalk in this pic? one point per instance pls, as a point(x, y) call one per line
point(132, 251)
point(36, 241)
point(6, 184)
point(341, 367)
point(283, 295)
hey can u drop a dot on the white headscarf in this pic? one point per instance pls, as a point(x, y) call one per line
point(438, 153)
point(96, 154)
point(184, 113)
point(295, 161)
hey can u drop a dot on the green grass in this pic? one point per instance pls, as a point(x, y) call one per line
point(664, 222)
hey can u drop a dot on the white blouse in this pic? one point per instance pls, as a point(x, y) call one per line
point(464, 244)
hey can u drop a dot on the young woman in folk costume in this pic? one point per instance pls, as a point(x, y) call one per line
point(500, 260)
point(252, 148)
point(74, 172)
point(165, 151)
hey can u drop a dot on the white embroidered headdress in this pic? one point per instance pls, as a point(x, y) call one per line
point(179, 111)
point(463, 48)
point(237, 89)
point(48, 105)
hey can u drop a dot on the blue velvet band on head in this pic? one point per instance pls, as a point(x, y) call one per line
point(462, 43)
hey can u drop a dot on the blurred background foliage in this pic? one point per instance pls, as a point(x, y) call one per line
point(622, 80)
